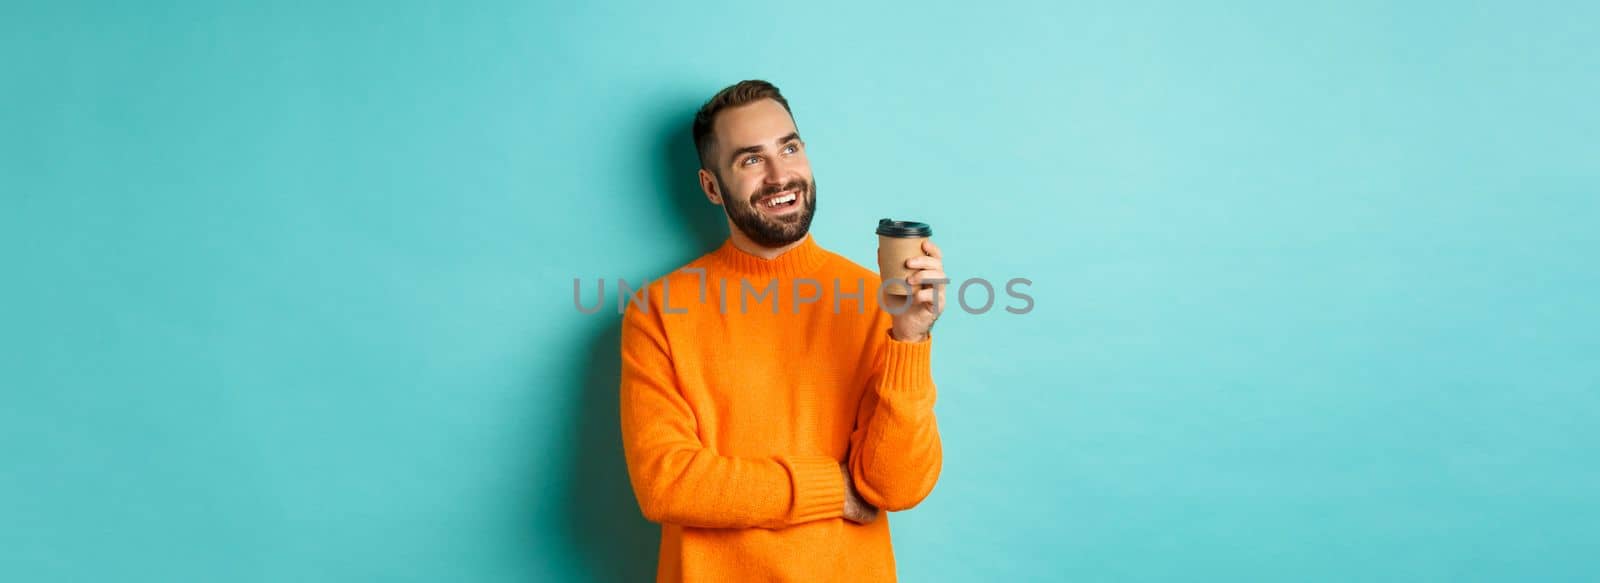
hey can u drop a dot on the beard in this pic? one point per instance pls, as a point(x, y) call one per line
point(769, 231)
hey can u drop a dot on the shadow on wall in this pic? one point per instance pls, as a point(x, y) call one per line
point(605, 524)
point(704, 225)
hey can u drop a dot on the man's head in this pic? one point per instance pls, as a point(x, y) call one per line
point(752, 160)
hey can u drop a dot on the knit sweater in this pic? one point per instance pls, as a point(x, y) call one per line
point(740, 400)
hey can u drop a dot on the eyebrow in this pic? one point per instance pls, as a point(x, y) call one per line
point(793, 136)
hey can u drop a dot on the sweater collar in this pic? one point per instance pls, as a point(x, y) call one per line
point(802, 259)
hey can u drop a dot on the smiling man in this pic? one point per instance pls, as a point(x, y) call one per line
point(770, 406)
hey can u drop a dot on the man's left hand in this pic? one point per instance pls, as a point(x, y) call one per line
point(913, 323)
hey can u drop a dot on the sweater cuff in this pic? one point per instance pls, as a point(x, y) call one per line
point(907, 365)
point(818, 487)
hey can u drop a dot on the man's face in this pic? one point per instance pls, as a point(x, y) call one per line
point(763, 176)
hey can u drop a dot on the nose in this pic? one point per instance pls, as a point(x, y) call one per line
point(777, 172)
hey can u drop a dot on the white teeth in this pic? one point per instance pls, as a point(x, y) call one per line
point(785, 199)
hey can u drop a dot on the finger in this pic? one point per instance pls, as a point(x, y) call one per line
point(927, 275)
point(931, 249)
point(868, 513)
point(932, 298)
point(925, 262)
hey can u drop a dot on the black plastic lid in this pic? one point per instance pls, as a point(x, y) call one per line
point(907, 229)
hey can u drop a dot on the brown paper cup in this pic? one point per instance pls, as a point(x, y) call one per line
point(897, 242)
point(892, 255)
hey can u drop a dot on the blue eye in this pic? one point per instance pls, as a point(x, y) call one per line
point(750, 160)
point(791, 148)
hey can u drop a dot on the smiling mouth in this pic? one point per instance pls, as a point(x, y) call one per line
point(782, 200)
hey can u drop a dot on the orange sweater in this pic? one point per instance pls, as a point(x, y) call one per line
point(735, 417)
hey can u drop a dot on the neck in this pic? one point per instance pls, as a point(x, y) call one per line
point(745, 244)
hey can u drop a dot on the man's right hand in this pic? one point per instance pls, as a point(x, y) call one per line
point(855, 509)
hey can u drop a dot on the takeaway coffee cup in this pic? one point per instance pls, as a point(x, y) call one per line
point(897, 242)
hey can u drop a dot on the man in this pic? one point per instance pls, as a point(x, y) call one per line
point(770, 406)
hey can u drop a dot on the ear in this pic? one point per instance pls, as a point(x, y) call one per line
point(708, 184)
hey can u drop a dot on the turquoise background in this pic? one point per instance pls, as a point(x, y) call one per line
point(288, 286)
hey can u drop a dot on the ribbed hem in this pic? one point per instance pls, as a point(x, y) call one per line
point(801, 260)
point(907, 365)
point(818, 487)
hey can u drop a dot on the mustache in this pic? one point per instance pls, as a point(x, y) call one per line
point(798, 184)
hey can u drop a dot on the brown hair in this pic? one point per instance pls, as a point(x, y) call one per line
point(735, 95)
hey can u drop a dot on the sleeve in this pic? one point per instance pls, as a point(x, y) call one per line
point(895, 453)
point(677, 480)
